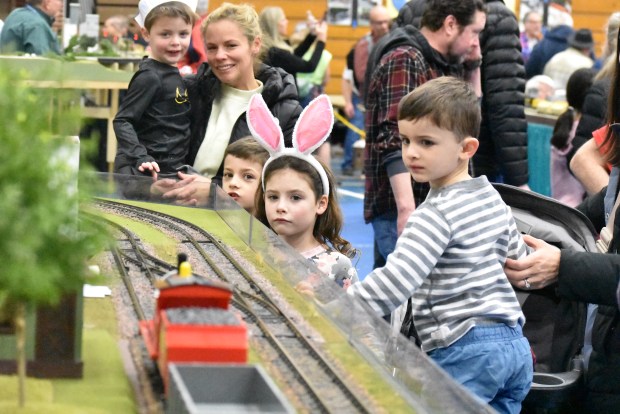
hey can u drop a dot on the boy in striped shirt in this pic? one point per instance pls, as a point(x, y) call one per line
point(450, 257)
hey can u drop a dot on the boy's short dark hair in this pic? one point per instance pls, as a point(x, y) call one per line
point(247, 148)
point(448, 102)
point(170, 9)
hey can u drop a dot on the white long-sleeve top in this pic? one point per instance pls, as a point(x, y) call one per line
point(450, 261)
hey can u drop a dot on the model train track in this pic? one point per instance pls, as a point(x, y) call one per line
point(317, 383)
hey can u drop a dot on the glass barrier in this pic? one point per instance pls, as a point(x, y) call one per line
point(412, 374)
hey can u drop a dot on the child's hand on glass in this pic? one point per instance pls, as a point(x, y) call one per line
point(305, 288)
point(151, 166)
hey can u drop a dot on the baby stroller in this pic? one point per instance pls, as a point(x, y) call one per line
point(554, 326)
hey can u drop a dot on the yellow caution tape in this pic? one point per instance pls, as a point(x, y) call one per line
point(349, 125)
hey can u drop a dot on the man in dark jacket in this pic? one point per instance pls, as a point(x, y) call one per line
point(410, 57)
point(28, 29)
point(502, 155)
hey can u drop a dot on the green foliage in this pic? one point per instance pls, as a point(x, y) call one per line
point(44, 247)
point(87, 46)
point(82, 42)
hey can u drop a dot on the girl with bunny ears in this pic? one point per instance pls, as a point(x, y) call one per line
point(297, 196)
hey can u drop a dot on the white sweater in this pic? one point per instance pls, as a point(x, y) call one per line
point(227, 108)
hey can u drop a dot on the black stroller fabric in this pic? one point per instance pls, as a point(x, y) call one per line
point(554, 326)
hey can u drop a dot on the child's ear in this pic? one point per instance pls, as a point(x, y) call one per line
point(322, 204)
point(145, 33)
point(469, 147)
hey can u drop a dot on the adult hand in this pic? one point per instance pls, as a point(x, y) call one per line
point(190, 190)
point(321, 31)
point(160, 187)
point(538, 269)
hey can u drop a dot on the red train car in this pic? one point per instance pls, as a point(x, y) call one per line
point(193, 323)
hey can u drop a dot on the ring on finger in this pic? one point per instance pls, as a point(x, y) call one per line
point(527, 283)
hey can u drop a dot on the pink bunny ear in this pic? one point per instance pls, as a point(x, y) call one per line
point(264, 126)
point(314, 125)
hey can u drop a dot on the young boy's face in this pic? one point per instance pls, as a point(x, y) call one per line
point(241, 178)
point(169, 39)
point(432, 154)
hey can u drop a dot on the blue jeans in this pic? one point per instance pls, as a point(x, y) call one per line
point(352, 136)
point(494, 362)
point(386, 234)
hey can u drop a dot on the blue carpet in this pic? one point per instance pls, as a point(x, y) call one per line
point(358, 233)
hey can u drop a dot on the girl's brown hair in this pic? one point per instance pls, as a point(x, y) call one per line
point(329, 224)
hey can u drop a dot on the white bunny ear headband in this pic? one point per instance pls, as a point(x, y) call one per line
point(311, 130)
point(145, 7)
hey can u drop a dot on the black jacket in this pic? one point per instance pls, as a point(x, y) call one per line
point(152, 123)
point(593, 278)
point(503, 131)
point(593, 113)
point(294, 63)
point(279, 93)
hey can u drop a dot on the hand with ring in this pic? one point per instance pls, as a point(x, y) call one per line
point(539, 268)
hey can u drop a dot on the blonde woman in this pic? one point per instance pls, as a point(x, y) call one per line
point(279, 53)
point(219, 94)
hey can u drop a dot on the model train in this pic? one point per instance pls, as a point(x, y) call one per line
point(193, 322)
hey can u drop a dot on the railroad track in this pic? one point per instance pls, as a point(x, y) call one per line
point(317, 384)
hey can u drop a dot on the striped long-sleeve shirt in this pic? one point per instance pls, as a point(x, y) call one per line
point(450, 261)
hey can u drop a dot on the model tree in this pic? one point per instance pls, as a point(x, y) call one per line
point(44, 246)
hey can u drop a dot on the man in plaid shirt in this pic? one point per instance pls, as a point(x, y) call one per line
point(409, 57)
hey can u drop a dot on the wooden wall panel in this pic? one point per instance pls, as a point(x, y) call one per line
point(593, 14)
point(595, 6)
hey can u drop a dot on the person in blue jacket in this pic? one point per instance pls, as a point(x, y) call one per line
point(28, 29)
point(559, 29)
